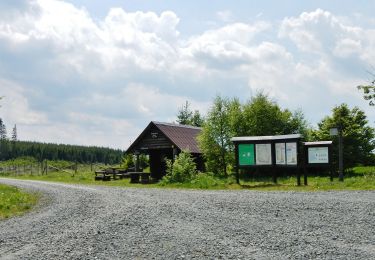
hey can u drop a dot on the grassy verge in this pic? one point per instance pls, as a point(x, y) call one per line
point(358, 178)
point(14, 201)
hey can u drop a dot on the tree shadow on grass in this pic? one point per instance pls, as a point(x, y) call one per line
point(263, 185)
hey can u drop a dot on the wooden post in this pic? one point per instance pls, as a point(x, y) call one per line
point(237, 164)
point(137, 161)
point(75, 168)
point(299, 176)
point(341, 154)
point(305, 176)
point(273, 161)
point(46, 163)
point(274, 177)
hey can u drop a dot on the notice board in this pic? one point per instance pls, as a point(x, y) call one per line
point(318, 155)
point(246, 154)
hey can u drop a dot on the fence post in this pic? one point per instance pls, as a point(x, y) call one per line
point(75, 168)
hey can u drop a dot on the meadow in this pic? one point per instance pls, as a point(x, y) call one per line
point(14, 201)
point(357, 178)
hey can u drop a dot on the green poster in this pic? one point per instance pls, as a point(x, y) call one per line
point(246, 154)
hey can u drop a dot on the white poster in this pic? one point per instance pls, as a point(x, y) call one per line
point(318, 155)
point(263, 154)
point(280, 153)
point(291, 153)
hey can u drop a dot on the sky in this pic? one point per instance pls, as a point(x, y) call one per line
point(97, 72)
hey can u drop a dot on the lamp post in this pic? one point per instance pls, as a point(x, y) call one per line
point(333, 132)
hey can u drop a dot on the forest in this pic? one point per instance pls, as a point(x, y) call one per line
point(10, 149)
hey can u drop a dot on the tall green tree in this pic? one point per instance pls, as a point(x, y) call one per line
point(214, 139)
point(262, 116)
point(14, 133)
point(186, 116)
point(3, 131)
point(197, 119)
point(228, 118)
point(358, 136)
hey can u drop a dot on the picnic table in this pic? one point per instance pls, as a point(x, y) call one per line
point(110, 173)
point(115, 174)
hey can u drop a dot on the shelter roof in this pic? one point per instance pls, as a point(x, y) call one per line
point(318, 143)
point(184, 137)
point(265, 138)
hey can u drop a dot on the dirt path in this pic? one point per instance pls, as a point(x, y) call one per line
point(88, 222)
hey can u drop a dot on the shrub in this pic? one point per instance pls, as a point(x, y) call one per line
point(205, 181)
point(127, 161)
point(182, 169)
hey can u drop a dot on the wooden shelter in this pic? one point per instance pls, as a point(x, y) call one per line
point(165, 140)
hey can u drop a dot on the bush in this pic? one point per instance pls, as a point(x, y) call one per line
point(127, 161)
point(183, 169)
point(205, 181)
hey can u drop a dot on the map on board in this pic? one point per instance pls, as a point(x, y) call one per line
point(291, 153)
point(280, 153)
point(263, 154)
point(318, 155)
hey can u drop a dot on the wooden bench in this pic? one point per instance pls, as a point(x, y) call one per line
point(102, 175)
point(111, 173)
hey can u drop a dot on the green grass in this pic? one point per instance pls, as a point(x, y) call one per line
point(358, 178)
point(14, 201)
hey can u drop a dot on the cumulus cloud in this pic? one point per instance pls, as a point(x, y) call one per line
point(91, 81)
point(15, 105)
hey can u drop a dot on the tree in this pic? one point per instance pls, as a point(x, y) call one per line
point(197, 119)
point(3, 131)
point(214, 139)
point(229, 118)
point(358, 136)
point(263, 116)
point(14, 133)
point(369, 91)
point(186, 116)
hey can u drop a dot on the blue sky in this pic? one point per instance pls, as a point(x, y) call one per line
point(96, 72)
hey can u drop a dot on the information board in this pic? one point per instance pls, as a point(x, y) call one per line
point(280, 153)
point(291, 153)
point(263, 154)
point(246, 154)
point(318, 155)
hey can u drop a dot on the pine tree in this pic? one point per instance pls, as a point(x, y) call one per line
point(184, 114)
point(14, 133)
point(3, 131)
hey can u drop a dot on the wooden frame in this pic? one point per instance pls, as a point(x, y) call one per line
point(272, 140)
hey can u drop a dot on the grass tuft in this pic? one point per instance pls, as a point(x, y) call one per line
point(14, 201)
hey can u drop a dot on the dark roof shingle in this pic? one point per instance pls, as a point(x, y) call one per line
point(183, 136)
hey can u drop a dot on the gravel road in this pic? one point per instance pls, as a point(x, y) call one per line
point(93, 222)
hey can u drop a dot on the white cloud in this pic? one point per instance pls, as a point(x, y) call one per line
point(98, 81)
point(347, 47)
point(15, 106)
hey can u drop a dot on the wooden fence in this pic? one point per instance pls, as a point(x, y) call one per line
point(43, 168)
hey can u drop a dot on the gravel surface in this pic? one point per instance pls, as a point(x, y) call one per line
point(93, 222)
